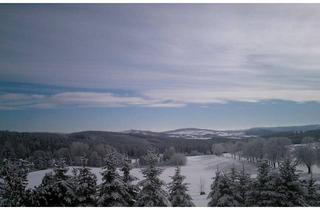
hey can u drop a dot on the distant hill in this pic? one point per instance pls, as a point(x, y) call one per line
point(196, 133)
point(205, 134)
point(263, 131)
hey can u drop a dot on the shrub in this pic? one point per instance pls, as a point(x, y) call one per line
point(195, 153)
point(178, 159)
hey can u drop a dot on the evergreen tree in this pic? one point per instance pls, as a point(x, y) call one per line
point(233, 174)
point(243, 187)
point(215, 193)
point(221, 194)
point(312, 196)
point(56, 189)
point(112, 191)
point(151, 193)
point(1, 186)
point(14, 175)
point(85, 184)
point(1, 191)
point(263, 188)
point(178, 191)
point(127, 179)
point(234, 185)
point(289, 187)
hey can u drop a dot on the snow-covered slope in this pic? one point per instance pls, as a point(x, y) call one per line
point(196, 133)
point(141, 132)
point(197, 168)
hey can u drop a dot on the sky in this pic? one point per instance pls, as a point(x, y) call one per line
point(73, 67)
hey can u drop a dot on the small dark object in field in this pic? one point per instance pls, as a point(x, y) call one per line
point(202, 186)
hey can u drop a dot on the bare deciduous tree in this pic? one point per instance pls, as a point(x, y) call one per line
point(306, 154)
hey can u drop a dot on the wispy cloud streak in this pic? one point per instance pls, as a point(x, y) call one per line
point(11, 101)
point(170, 55)
point(164, 98)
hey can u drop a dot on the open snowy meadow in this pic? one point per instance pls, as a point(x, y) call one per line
point(199, 169)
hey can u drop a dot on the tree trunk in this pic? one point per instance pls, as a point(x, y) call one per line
point(309, 169)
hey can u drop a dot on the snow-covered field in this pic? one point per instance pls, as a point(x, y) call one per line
point(197, 167)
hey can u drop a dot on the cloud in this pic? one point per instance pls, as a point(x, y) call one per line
point(166, 105)
point(170, 55)
point(192, 96)
point(162, 98)
point(95, 99)
point(13, 101)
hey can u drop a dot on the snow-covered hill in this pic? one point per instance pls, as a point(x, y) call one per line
point(141, 132)
point(192, 133)
point(196, 133)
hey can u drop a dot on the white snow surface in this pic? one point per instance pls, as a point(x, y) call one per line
point(197, 167)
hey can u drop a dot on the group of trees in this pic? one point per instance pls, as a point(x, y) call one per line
point(42, 148)
point(281, 188)
point(43, 158)
point(308, 154)
point(171, 157)
point(274, 150)
point(81, 189)
point(271, 187)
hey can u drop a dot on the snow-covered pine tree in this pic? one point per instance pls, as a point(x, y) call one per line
point(126, 170)
point(243, 187)
point(234, 185)
point(233, 174)
point(1, 191)
point(112, 191)
point(1, 186)
point(263, 190)
point(14, 175)
point(312, 196)
point(221, 194)
point(289, 187)
point(85, 184)
point(56, 189)
point(152, 193)
point(215, 193)
point(178, 191)
point(127, 179)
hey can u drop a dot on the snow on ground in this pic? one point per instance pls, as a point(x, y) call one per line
point(197, 167)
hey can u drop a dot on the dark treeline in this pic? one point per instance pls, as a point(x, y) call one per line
point(272, 187)
point(42, 148)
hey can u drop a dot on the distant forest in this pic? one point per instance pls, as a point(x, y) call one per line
point(42, 148)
